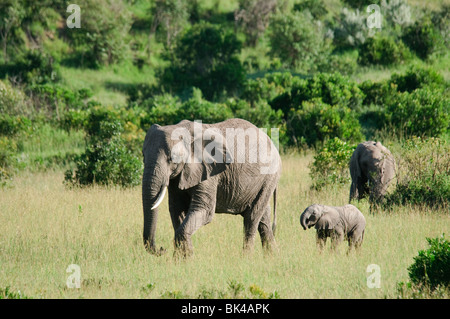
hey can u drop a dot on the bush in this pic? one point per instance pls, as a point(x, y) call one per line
point(417, 77)
point(332, 89)
point(205, 57)
point(330, 165)
point(382, 50)
point(422, 38)
point(12, 125)
point(106, 160)
point(315, 122)
point(113, 139)
point(8, 150)
point(431, 266)
point(297, 40)
point(423, 112)
point(101, 39)
point(422, 174)
point(12, 100)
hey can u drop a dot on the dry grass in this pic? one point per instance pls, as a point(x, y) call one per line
point(45, 227)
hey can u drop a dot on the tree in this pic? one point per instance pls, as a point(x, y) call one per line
point(254, 17)
point(169, 15)
point(11, 14)
point(101, 39)
point(297, 40)
point(205, 56)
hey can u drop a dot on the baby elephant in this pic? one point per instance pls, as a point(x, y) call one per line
point(335, 222)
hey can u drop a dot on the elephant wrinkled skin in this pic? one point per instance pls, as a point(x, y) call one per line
point(205, 175)
point(335, 222)
point(372, 168)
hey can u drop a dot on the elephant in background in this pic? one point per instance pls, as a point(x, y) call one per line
point(338, 223)
point(372, 168)
point(207, 169)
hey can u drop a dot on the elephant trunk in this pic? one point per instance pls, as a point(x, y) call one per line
point(153, 190)
point(303, 219)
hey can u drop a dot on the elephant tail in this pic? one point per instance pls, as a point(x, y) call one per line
point(274, 223)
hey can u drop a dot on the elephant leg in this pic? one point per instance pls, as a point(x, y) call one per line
point(201, 211)
point(252, 218)
point(265, 231)
point(178, 206)
point(191, 223)
point(353, 192)
point(336, 239)
point(321, 239)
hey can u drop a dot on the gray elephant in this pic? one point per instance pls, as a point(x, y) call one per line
point(228, 167)
point(372, 168)
point(335, 222)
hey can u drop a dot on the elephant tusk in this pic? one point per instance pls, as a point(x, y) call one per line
point(160, 198)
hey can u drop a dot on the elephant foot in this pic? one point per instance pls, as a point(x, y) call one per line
point(157, 252)
point(183, 247)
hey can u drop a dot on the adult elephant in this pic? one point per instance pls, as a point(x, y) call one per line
point(228, 167)
point(372, 168)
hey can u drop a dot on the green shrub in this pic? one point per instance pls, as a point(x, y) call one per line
point(8, 152)
point(297, 40)
point(422, 173)
point(378, 93)
point(205, 57)
point(32, 67)
point(330, 165)
point(102, 38)
point(431, 266)
point(12, 125)
point(422, 37)
point(110, 156)
point(12, 100)
point(417, 77)
point(332, 89)
point(315, 122)
point(423, 112)
point(382, 50)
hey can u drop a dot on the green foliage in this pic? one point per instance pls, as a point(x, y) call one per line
point(8, 293)
point(382, 50)
point(350, 30)
point(205, 57)
point(425, 111)
point(107, 160)
point(8, 150)
point(422, 37)
point(317, 8)
point(12, 125)
point(32, 67)
point(315, 122)
point(12, 100)
point(332, 89)
point(330, 165)
point(297, 40)
point(417, 77)
point(430, 267)
point(101, 39)
point(422, 174)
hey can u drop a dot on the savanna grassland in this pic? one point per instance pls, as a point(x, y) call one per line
point(46, 227)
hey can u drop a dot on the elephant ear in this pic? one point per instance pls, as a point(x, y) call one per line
point(328, 220)
point(209, 157)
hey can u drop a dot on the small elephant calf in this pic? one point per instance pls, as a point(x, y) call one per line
point(335, 222)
